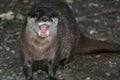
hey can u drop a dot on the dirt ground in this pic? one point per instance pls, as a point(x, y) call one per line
point(106, 27)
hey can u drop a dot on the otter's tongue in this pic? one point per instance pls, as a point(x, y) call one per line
point(44, 29)
point(44, 32)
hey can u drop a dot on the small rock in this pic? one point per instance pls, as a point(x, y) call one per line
point(93, 31)
point(93, 4)
point(8, 57)
point(107, 74)
point(0, 71)
point(118, 18)
point(1, 47)
point(69, 1)
point(13, 74)
point(25, 1)
point(106, 23)
point(5, 65)
point(117, 0)
point(88, 78)
point(102, 39)
point(97, 56)
point(13, 51)
point(19, 16)
point(7, 48)
point(17, 33)
point(9, 77)
point(97, 21)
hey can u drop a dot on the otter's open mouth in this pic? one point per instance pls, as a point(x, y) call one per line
point(44, 29)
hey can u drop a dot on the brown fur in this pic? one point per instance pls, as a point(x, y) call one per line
point(64, 39)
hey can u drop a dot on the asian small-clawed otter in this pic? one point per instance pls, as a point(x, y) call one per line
point(51, 35)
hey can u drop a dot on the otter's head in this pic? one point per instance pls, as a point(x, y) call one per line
point(43, 21)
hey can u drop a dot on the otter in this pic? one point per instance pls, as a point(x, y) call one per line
point(51, 36)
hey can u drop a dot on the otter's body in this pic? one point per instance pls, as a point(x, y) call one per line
point(51, 36)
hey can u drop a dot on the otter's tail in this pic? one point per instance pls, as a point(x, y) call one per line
point(87, 45)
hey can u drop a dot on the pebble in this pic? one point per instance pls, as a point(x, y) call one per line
point(93, 31)
point(7, 48)
point(9, 77)
point(117, 0)
point(92, 4)
point(20, 73)
point(3, 76)
point(0, 71)
point(13, 74)
point(107, 74)
point(102, 39)
point(17, 33)
point(1, 48)
point(5, 65)
point(96, 20)
point(118, 18)
point(8, 57)
point(88, 78)
point(112, 64)
point(105, 23)
point(98, 56)
point(13, 51)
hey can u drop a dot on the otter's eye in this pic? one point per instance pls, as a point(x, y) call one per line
point(54, 14)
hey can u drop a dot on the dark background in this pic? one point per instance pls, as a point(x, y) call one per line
point(104, 26)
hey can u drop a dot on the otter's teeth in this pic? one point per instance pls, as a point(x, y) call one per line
point(42, 23)
point(42, 35)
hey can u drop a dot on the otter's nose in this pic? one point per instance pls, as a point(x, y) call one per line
point(44, 18)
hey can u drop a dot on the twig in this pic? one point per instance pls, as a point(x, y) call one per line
point(104, 12)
